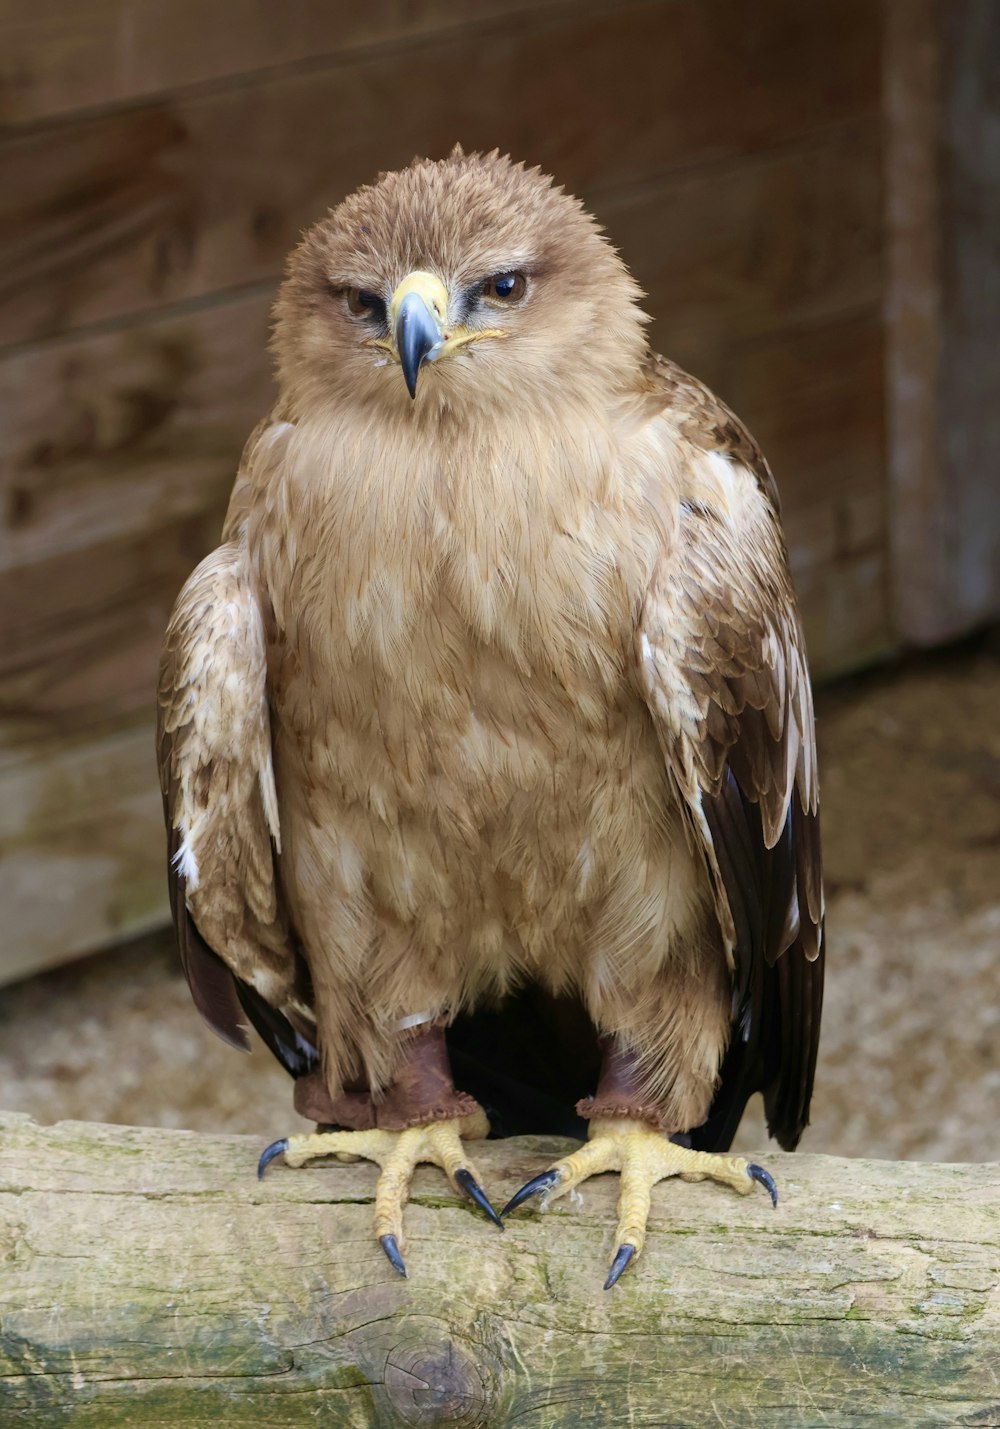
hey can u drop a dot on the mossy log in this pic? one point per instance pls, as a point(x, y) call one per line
point(148, 1278)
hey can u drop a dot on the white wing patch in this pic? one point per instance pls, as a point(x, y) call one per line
point(186, 863)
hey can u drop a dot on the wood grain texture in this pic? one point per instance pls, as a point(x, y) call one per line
point(114, 479)
point(116, 433)
point(824, 437)
point(942, 312)
point(120, 213)
point(149, 1279)
point(924, 513)
point(813, 399)
point(82, 857)
point(970, 372)
point(57, 59)
point(730, 251)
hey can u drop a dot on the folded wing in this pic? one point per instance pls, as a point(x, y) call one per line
point(217, 780)
point(723, 670)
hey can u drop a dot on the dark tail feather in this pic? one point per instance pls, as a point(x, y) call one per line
point(528, 1062)
point(293, 1049)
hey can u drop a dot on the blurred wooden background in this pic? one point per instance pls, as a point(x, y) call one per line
point(778, 175)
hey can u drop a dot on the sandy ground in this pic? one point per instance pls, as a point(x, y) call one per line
point(910, 1058)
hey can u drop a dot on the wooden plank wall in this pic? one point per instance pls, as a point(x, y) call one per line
point(158, 159)
point(943, 314)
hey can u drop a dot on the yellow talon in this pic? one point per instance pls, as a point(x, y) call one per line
point(397, 1153)
point(642, 1156)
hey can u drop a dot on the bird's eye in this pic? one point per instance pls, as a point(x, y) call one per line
point(505, 288)
point(365, 304)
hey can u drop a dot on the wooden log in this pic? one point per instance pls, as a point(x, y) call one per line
point(150, 1279)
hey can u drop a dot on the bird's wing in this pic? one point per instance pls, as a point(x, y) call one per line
point(217, 780)
point(723, 670)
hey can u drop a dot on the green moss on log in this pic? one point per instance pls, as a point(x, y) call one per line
point(149, 1279)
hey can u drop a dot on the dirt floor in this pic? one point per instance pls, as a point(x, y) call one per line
point(910, 1057)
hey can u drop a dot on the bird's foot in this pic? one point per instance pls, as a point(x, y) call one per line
point(642, 1156)
point(398, 1153)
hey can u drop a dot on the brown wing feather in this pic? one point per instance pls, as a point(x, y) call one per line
point(213, 989)
point(723, 668)
point(214, 751)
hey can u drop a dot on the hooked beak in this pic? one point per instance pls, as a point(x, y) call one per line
point(417, 316)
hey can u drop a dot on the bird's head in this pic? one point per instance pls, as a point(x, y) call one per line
point(467, 282)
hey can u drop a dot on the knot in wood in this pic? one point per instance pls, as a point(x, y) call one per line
point(438, 1380)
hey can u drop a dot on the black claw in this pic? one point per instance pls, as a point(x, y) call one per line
point(619, 1265)
point(531, 1188)
point(391, 1247)
point(276, 1148)
point(757, 1173)
point(475, 1192)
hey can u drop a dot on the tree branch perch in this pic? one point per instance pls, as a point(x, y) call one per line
point(148, 1279)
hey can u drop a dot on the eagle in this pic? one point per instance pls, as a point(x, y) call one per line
point(485, 736)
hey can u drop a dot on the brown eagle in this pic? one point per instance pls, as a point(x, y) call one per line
point(486, 736)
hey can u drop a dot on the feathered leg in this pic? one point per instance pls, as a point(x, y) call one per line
point(421, 1118)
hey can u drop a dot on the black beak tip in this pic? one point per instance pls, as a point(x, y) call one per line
point(417, 335)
